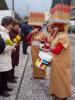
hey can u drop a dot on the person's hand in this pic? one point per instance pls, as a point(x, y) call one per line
point(34, 31)
point(47, 45)
point(14, 50)
point(46, 50)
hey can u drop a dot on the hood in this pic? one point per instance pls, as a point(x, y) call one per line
point(2, 28)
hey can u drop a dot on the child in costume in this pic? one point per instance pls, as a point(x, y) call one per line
point(60, 73)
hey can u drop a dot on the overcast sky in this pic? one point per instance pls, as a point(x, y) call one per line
point(21, 6)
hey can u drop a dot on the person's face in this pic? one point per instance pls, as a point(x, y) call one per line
point(56, 29)
point(35, 30)
point(9, 27)
point(16, 27)
point(50, 29)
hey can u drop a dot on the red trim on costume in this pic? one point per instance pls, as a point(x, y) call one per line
point(58, 48)
point(49, 63)
point(29, 37)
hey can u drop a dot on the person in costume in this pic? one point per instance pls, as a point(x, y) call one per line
point(60, 73)
point(36, 37)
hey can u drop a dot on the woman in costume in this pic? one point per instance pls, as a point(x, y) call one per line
point(60, 74)
point(36, 38)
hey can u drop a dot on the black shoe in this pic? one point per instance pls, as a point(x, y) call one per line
point(25, 53)
point(9, 89)
point(15, 77)
point(4, 94)
point(13, 81)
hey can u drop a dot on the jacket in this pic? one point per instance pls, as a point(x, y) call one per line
point(5, 57)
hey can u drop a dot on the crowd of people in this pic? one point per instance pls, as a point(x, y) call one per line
point(59, 46)
point(10, 38)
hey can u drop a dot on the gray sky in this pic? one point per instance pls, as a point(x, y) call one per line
point(21, 6)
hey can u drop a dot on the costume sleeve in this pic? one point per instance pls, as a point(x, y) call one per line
point(64, 41)
point(44, 39)
point(57, 49)
point(29, 37)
